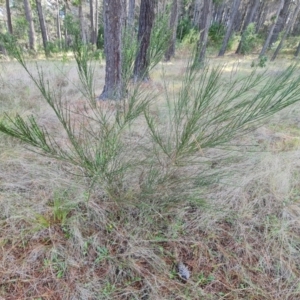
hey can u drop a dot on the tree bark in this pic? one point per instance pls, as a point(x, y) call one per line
point(9, 23)
point(146, 19)
point(173, 27)
point(96, 20)
point(58, 27)
point(92, 38)
point(113, 15)
point(297, 51)
point(288, 29)
point(267, 42)
point(281, 21)
point(81, 22)
point(235, 8)
point(197, 12)
point(31, 31)
point(249, 19)
point(131, 13)
point(263, 9)
point(42, 25)
point(204, 29)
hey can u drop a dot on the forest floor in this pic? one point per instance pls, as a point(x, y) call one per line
point(239, 240)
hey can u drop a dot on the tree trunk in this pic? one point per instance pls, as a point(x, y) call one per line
point(131, 13)
point(281, 21)
point(288, 29)
point(235, 8)
point(244, 17)
point(146, 19)
point(96, 20)
point(219, 12)
point(204, 29)
point(173, 28)
point(31, 31)
point(43, 26)
point(58, 27)
point(113, 15)
point(249, 19)
point(65, 28)
point(92, 38)
point(9, 23)
point(297, 50)
point(267, 42)
point(197, 12)
point(81, 22)
point(263, 9)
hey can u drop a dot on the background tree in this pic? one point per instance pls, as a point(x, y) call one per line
point(204, 28)
point(235, 8)
point(146, 20)
point(292, 17)
point(113, 16)
point(43, 26)
point(282, 20)
point(268, 39)
point(31, 30)
point(173, 27)
point(252, 9)
point(8, 14)
point(131, 14)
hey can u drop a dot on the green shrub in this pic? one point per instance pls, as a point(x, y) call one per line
point(249, 39)
point(216, 34)
point(191, 38)
point(100, 38)
point(185, 26)
point(208, 112)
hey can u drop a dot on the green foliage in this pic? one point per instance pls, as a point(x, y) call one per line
point(185, 26)
point(20, 26)
point(85, 69)
point(249, 39)
point(216, 34)
point(191, 38)
point(262, 62)
point(129, 53)
point(100, 38)
point(159, 41)
point(72, 25)
point(207, 113)
point(54, 46)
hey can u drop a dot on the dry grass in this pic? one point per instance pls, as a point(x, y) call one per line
point(240, 240)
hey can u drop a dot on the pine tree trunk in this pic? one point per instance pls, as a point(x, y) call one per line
point(81, 22)
point(58, 27)
point(281, 21)
point(96, 20)
point(235, 8)
point(267, 42)
point(204, 29)
point(31, 31)
point(9, 23)
point(113, 16)
point(65, 29)
point(263, 9)
point(173, 27)
point(244, 18)
point(131, 13)
point(92, 38)
point(43, 26)
point(146, 19)
point(197, 12)
point(297, 51)
point(288, 29)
